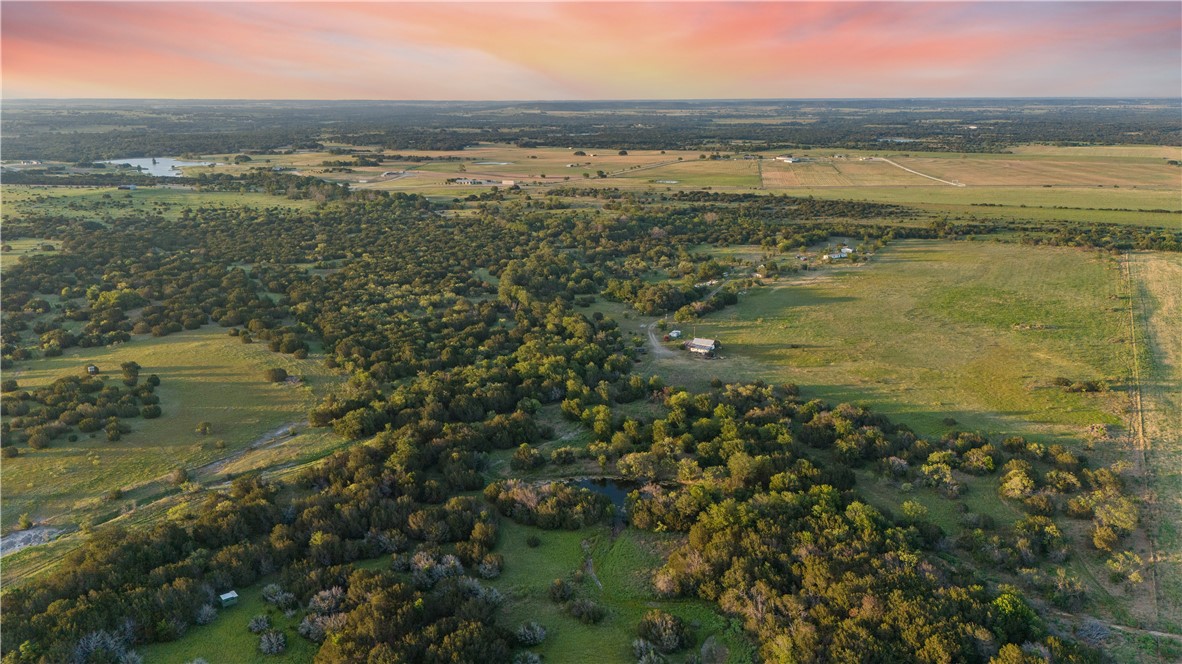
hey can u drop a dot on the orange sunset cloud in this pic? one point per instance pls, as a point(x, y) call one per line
point(615, 50)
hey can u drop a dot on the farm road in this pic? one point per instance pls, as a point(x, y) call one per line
point(924, 175)
point(654, 342)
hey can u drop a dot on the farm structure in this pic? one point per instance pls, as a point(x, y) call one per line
point(703, 346)
point(229, 599)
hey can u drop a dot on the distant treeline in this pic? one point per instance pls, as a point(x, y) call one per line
point(33, 131)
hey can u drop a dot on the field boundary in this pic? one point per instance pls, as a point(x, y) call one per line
point(1142, 444)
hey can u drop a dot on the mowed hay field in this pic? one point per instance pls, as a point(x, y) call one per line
point(933, 330)
point(1038, 172)
point(697, 173)
point(205, 375)
point(1082, 204)
point(1092, 151)
point(1108, 184)
point(837, 173)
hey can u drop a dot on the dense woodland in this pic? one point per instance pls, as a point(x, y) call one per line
point(446, 367)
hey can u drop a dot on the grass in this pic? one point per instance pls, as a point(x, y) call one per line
point(976, 331)
point(1018, 171)
point(1157, 280)
point(205, 375)
point(1139, 152)
point(697, 173)
point(94, 202)
point(622, 564)
point(932, 330)
point(1085, 204)
point(29, 246)
point(226, 639)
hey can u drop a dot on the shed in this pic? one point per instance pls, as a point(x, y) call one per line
point(229, 599)
point(92, 369)
point(703, 346)
point(675, 334)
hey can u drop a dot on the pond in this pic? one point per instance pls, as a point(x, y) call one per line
point(616, 490)
point(166, 167)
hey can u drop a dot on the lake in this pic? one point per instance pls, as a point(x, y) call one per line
point(166, 167)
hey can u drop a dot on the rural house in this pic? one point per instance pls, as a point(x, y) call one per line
point(703, 346)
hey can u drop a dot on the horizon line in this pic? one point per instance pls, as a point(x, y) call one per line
point(588, 100)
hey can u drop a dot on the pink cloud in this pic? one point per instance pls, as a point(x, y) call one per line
point(589, 50)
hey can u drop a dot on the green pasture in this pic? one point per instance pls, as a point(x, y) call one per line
point(926, 331)
point(623, 565)
point(227, 639)
point(206, 375)
point(697, 173)
point(97, 202)
point(1157, 282)
point(1086, 204)
point(29, 246)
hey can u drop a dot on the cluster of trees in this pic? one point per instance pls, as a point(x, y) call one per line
point(652, 299)
point(783, 542)
point(88, 403)
point(549, 505)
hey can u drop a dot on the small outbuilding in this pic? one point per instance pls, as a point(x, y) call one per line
point(229, 599)
point(675, 334)
point(702, 346)
point(92, 369)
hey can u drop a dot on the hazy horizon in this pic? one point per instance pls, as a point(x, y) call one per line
point(638, 100)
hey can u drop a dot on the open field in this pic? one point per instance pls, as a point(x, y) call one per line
point(699, 173)
point(975, 332)
point(1085, 204)
point(1155, 152)
point(622, 565)
point(1157, 281)
point(836, 173)
point(227, 639)
point(28, 246)
point(1030, 172)
point(205, 375)
point(1090, 184)
point(1036, 182)
point(931, 330)
point(96, 202)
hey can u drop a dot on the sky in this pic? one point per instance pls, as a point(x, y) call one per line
point(589, 50)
